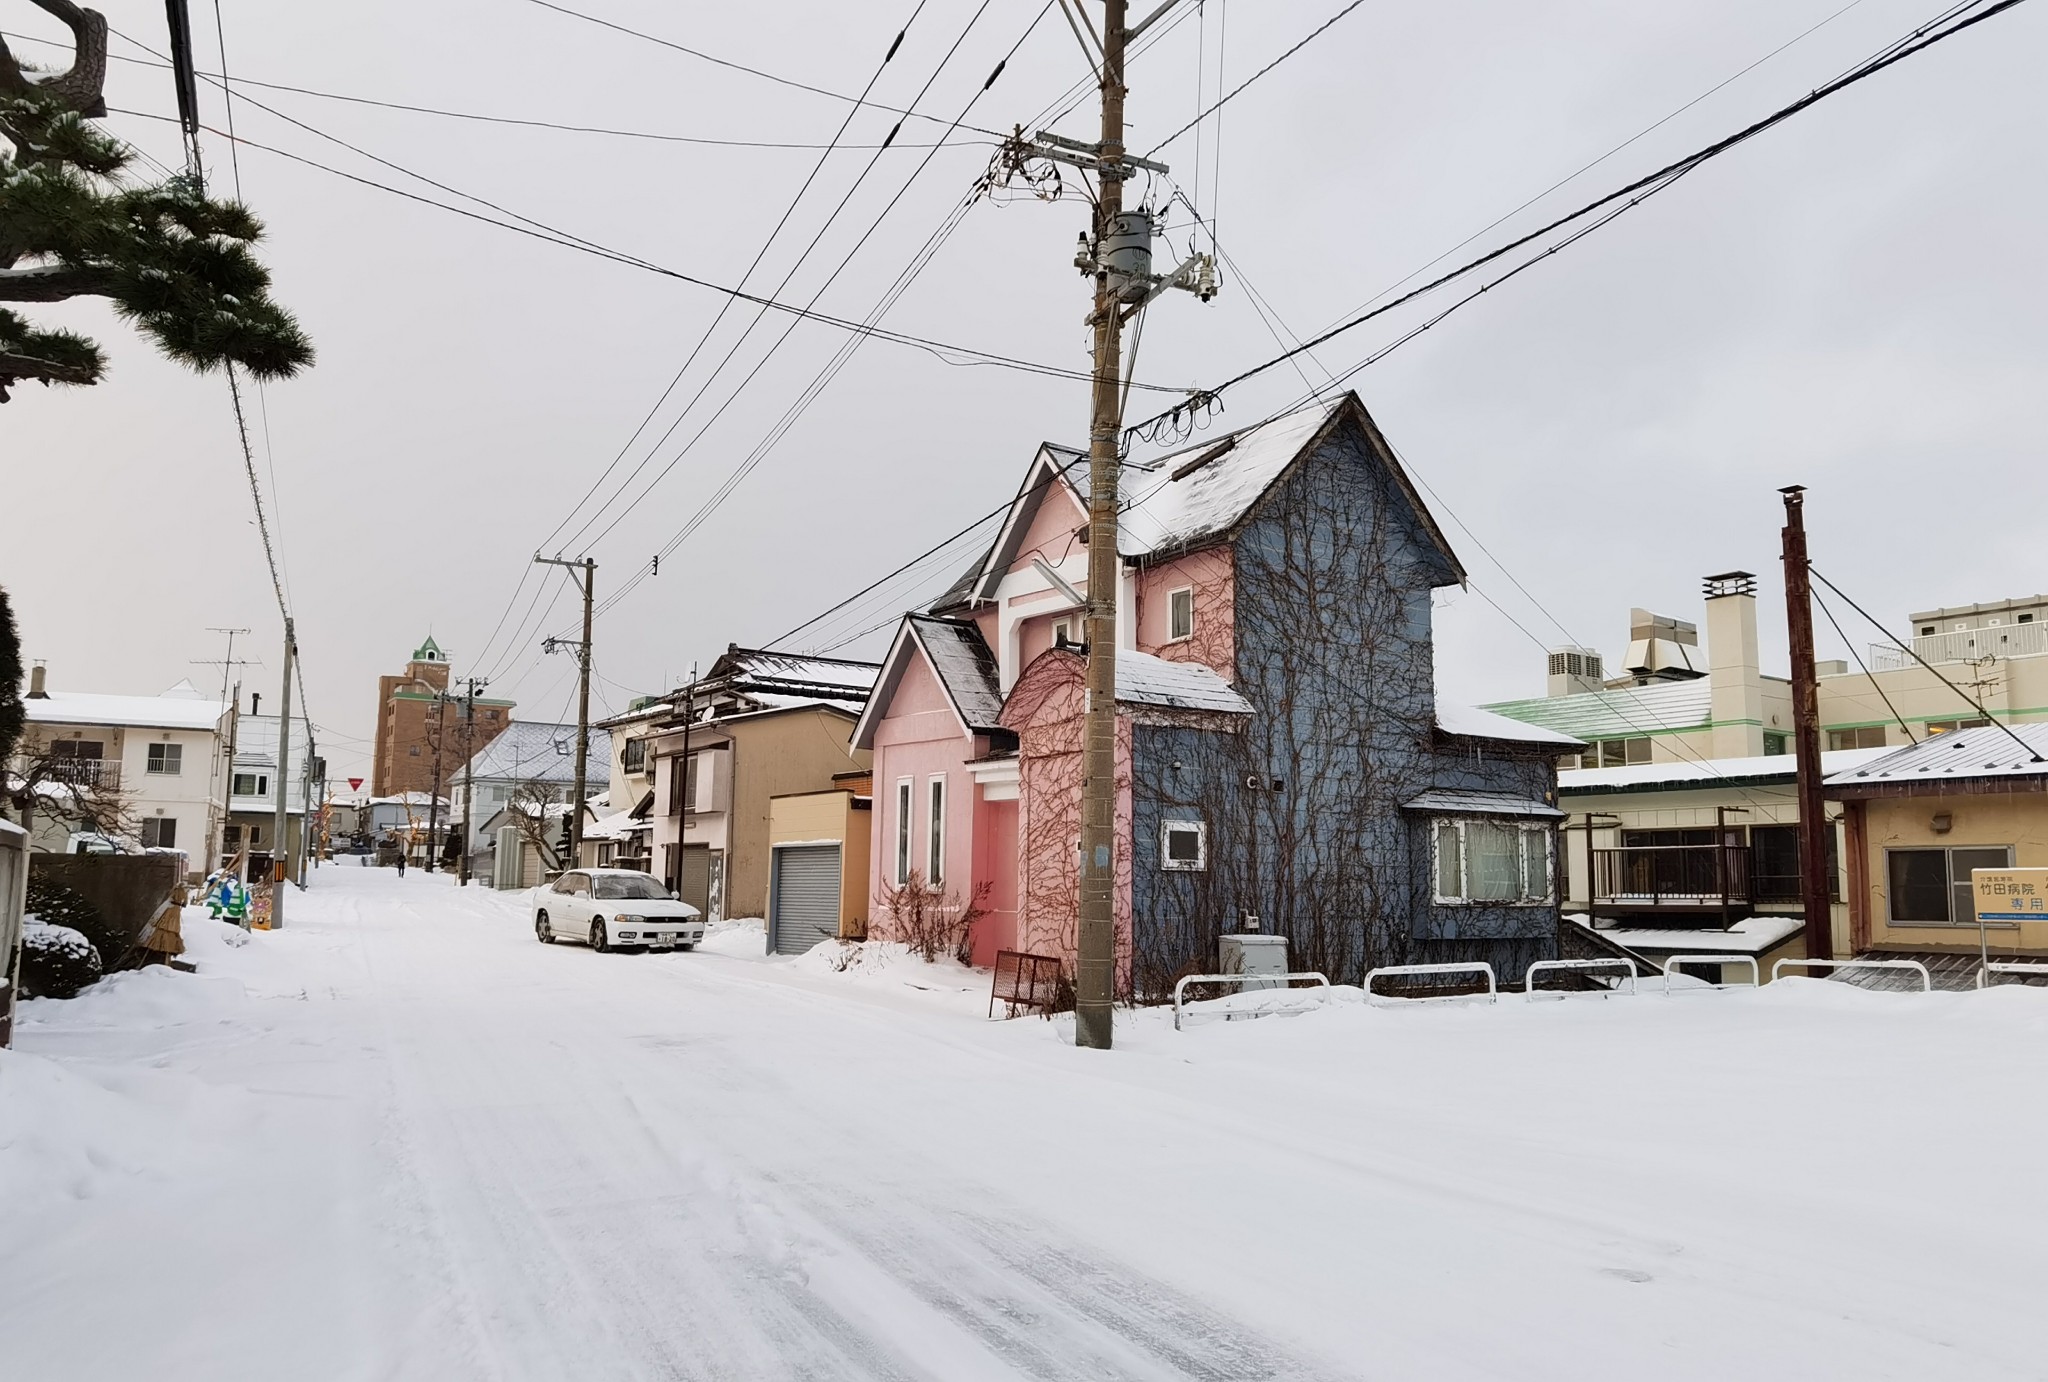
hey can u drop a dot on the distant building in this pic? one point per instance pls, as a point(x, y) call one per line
point(256, 781)
point(1670, 701)
point(522, 753)
point(420, 726)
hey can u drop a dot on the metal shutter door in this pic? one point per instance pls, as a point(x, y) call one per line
point(806, 897)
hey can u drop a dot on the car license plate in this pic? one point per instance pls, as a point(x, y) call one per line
point(661, 942)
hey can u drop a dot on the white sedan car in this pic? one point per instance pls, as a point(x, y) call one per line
point(614, 907)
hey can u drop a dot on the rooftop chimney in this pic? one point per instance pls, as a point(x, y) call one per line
point(35, 682)
point(255, 703)
point(1737, 702)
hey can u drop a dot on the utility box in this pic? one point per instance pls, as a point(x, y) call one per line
point(1254, 954)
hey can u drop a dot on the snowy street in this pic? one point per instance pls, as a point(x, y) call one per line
point(401, 1139)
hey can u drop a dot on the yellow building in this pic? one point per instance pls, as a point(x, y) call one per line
point(1916, 822)
point(818, 869)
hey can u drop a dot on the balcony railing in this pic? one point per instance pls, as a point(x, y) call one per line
point(1680, 877)
point(80, 772)
point(1964, 645)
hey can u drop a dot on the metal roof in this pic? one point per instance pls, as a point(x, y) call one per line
point(179, 708)
point(529, 749)
point(1622, 713)
point(1452, 802)
point(1988, 751)
point(1707, 772)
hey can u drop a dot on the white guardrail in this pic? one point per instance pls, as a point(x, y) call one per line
point(1545, 966)
point(2010, 967)
point(1461, 967)
point(1276, 983)
point(1677, 962)
point(1926, 979)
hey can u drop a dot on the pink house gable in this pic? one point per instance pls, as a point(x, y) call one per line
point(1209, 576)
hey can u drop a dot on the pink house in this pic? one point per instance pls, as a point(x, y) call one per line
point(1279, 754)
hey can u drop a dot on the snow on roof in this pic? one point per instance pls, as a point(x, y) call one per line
point(1622, 713)
point(1181, 498)
point(531, 749)
point(1988, 751)
point(1750, 936)
point(175, 709)
point(965, 667)
point(1451, 801)
point(762, 665)
point(1142, 679)
point(409, 799)
point(616, 826)
point(1474, 723)
point(1708, 771)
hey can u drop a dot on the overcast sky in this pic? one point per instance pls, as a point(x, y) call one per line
point(1852, 302)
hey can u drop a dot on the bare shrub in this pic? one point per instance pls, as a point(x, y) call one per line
point(931, 920)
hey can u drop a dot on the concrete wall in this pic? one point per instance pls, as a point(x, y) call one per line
point(126, 890)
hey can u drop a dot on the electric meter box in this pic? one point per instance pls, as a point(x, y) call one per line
point(1254, 954)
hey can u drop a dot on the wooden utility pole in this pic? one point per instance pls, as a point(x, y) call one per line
point(1813, 819)
point(589, 582)
point(1095, 948)
point(469, 770)
point(280, 832)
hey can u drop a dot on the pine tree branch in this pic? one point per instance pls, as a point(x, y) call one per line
point(54, 283)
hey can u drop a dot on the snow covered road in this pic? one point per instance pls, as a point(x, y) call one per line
point(403, 1140)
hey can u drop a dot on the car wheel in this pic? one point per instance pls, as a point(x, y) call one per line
point(597, 937)
point(542, 932)
point(686, 945)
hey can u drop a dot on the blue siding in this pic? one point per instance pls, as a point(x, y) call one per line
point(1334, 649)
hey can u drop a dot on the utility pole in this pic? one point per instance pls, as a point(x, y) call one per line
point(1119, 256)
point(1813, 820)
point(227, 800)
point(469, 769)
point(227, 674)
point(441, 699)
point(589, 582)
point(280, 837)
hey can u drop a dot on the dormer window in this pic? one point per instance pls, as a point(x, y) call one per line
point(1180, 614)
point(1063, 634)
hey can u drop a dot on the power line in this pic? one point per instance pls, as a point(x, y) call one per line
point(1637, 192)
point(911, 114)
point(1875, 685)
point(1221, 101)
point(845, 200)
point(817, 385)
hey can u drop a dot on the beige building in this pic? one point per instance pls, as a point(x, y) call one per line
point(818, 846)
point(693, 773)
point(1918, 822)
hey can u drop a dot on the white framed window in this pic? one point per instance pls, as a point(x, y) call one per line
point(160, 832)
point(935, 843)
point(1931, 887)
point(1481, 861)
point(1184, 846)
point(905, 797)
point(251, 785)
point(1180, 613)
point(1063, 634)
point(166, 759)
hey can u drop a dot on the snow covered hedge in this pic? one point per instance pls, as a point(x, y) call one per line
point(56, 961)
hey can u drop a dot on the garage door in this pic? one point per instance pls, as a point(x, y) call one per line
point(804, 898)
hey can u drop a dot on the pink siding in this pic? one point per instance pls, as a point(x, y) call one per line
point(921, 739)
point(995, 859)
point(1054, 531)
point(1034, 635)
point(1045, 709)
point(1210, 574)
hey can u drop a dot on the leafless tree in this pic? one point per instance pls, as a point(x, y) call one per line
point(82, 793)
point(531, 802)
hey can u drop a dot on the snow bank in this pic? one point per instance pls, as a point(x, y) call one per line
point(737, 938)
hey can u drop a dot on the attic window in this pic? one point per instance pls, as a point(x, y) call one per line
point(1180, 614)
point(1063, 634)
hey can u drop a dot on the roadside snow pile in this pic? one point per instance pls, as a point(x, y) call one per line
point(56, 961)
point(889, 964)
point(739, 938)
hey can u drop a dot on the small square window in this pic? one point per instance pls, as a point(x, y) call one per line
point(1063, 633)
point(1184, 846)
point(1180, 614)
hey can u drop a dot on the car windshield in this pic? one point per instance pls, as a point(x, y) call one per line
point(632, 889)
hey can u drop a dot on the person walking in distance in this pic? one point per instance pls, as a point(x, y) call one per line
point(401, 860)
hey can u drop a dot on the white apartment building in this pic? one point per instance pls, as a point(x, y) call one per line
point(163, 753)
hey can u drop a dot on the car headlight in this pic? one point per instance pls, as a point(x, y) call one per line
point(631, 920)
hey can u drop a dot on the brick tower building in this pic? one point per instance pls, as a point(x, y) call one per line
point(416, 717)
